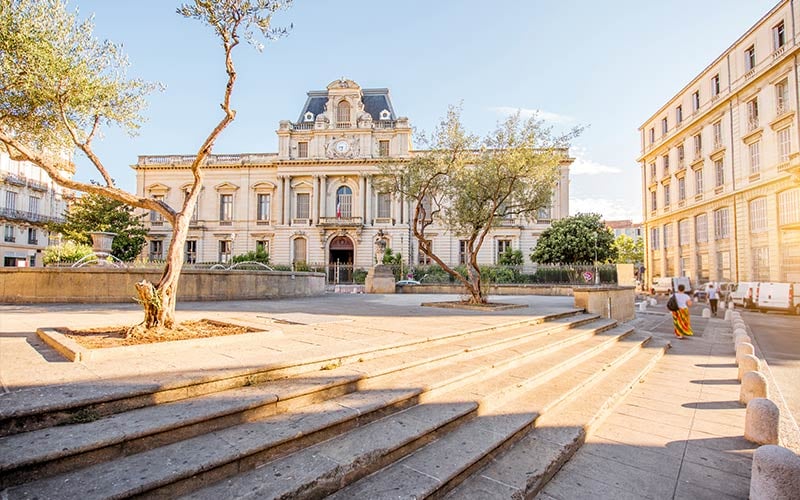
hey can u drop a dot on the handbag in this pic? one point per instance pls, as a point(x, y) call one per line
point(672, 303)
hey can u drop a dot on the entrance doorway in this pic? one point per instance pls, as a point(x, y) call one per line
point(340, 260)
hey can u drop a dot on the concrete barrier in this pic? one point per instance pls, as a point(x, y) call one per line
point(727, 315)
point(739, 331)
point(706, 312)
point(742, 349)
point(615, 302)
point(643, 306)
point(775, 473)
point(740, 339)
point(747, 363)
point(653, 302)
point(754, 385)
point(103, 285)
point(450, 289)
point(762, 421)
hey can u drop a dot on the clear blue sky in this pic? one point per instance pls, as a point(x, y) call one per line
point(608, 65)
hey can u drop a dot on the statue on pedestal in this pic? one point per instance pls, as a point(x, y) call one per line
point(380, 247)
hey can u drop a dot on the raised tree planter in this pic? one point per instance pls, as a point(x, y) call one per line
point(616, 302)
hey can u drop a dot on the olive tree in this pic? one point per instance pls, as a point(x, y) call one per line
point(60, 86)
point(468, 185)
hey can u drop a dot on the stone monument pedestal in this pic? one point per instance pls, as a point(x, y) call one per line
point(380, 279)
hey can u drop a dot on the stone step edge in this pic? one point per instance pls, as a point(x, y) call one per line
point(13, 475)
point(21, 417)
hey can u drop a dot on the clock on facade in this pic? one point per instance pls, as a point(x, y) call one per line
point(342, 147)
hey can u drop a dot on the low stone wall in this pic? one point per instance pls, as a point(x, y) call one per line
point(615, 302)
point(446, 288)
point(95, 285)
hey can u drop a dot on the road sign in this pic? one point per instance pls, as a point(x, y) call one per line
point(588, 276)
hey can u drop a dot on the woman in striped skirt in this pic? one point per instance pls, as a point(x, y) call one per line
point(680, 318)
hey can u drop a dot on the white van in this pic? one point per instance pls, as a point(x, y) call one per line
point(779, 297)
point(745, 294)
point(667, 285)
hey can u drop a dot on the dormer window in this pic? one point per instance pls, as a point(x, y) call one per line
point(343, 113)
point(308, 117)
point(385, 114)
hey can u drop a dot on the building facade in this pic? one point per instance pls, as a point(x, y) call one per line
point(29, 200)
point(626, 227)
point(720, 164)
point(315, 201)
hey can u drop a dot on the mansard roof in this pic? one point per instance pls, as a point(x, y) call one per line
point(375, 101)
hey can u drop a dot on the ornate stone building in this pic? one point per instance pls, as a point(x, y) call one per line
point(29, 200)
point(314, 201)
point(721, 167)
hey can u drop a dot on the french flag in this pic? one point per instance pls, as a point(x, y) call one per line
point(338, 209)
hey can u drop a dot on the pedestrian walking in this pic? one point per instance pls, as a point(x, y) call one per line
point(713, 298)
point(680, 318)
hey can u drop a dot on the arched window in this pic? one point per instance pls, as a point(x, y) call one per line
point(343, 114)
point(299, 251)
point(344, 202)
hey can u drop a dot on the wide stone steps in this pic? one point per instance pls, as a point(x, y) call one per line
point(455, 449)
point(30, 410)
point(445, 361)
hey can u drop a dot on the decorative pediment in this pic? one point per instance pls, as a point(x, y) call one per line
point(158, 189)
point(302, 184)
point(226, 187)
point(262, 235)
point(264, 187)
point(223, 236)
point(188, 186)
point(343, 83)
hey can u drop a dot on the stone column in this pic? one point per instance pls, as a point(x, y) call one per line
point(282, 190)
point(315, 202)
point(287, 197)
point(323, 196)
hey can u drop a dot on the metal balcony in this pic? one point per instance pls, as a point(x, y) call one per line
point(341, 221)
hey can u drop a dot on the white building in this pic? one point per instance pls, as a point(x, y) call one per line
point(30, 199)
point(721, 166)
point(314, 201)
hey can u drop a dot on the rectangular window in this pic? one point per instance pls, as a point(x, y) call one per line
point(721, 224)
point(11, 200)
point(698, 145)
point(653, 172)
point(462, 251)
point(653, 201)
point(717, 129)
point(681, 189)
point(422, 258)
point(698, 181)
point(302, 206)
point(664, 126)
point(8, 234)
point(33, 204)
point(299, 250)
point(156, 219)
point(652, 135)
point(666, 196)
point(761, 263)
point(715, 85)
point(758, 215)
point(665, 163)
point(752, 114)
point(755, 157)
point(683, 232)
point(190, 254)
point(723, 265)
point(224, 250)
point(788, 207)
point(778, 36)
point(302, 150)
point(156, 250)
point(701, 228)
point(383, 148)
point(719, 172)
point(667, 235)
point(263, 209)
point(678, 114)
point(384, 205)
point(33, 238)
point(226, 210)
point(502, 246)
point(263, 245)
point(695, 101)
point(750, 58)
point(681, 156)
point(782, 97)
point(784, 144)
point(654, 243)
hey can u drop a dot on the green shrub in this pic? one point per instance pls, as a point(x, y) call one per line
point(359, 276)
point(68, 251)
point(257, 255)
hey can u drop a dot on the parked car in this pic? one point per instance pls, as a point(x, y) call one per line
point(407, 282)
point(744, 295)
point(725, 289)
point(779, 297)
point(701, 293)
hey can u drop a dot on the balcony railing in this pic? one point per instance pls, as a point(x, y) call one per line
point(303, 126)
point(37, 186)
point(384, 124)
point(21, 215)
point(783, 108)
point(778, 52)
point(344, 125)
point(341, 221)
point(10, 239)
point(752, 124)
point(15, 180)
point(33, 241)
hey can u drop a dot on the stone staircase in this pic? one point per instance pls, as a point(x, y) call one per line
point(487, 414)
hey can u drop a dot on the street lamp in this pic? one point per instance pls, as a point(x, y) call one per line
point(596, 275)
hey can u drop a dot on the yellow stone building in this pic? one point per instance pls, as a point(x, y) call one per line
point(314, 201)
point(721, 164)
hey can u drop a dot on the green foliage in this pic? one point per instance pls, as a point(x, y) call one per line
point(575, 239)
point(93, 212)
point(69, 251)
point(510, 258)
point(257, 255)
point(391, 258)
point(359, 276)
point(629, 251)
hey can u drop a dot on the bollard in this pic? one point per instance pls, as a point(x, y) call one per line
point(747, 363)
point(761, 421)
point(706, 313)
point(775, 473)
point(721, 305)
point(727, 315)
point(643, 306)
point(737, 323)
point(742, 349)
point(653, 302)
point(754, 385)
point(739, 331)
point(741, 339)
